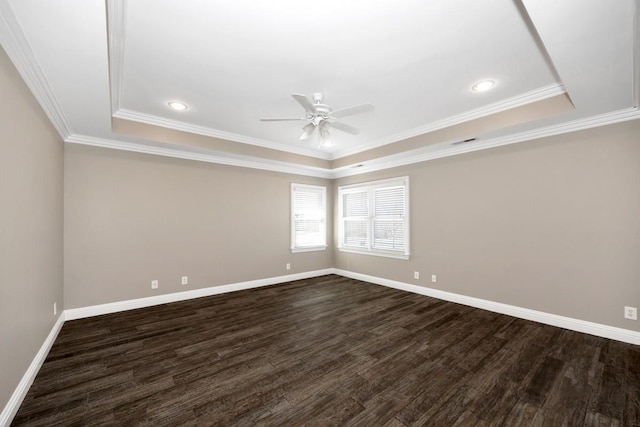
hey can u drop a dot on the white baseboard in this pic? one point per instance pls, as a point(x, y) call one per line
point(619, 334)
point(12, 406)
point(114, 307)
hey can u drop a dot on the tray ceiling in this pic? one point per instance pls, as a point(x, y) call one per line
point(105, 72)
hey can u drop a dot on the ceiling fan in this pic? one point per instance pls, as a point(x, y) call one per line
point(321, 116)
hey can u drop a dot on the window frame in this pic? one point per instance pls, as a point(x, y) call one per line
point(322, 245)
point(370, 188)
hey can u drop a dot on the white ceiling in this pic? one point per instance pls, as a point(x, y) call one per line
point(234, 62)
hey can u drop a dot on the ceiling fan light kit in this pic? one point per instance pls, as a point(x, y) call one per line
point(321, 116)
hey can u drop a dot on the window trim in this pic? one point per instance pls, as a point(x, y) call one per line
point(370, 187)
point(321, 247)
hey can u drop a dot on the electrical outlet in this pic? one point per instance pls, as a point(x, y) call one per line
point(55, 308)
point(154, 284)
point(416, 275)
point(631, 313)
point(434, 278)
point(185, 280)
point(288, 266)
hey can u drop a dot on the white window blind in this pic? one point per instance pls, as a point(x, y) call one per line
point(374, 218)
point(308, 217)
point(388, 218)
point(356, 219)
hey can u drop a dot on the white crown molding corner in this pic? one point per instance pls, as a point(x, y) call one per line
point(448, 150)
point(591, 328)
point(12, 406)
point(116, 25)
point(520, 100)
point(251, 163)
point(17, 47)
point(114, 307)
point(214, 133)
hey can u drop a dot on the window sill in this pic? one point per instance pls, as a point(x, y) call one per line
point(375, 253)
point(309, 249)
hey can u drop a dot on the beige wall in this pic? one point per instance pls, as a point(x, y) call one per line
point(31, 163)
point(551, 225)
point(131, 218)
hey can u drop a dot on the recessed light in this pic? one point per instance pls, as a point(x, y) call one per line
point(178, 106)
point(482, 86)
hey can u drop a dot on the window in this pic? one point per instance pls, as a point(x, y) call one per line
point(374, 218)
point(308, 218)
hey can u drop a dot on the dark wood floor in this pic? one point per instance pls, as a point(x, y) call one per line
point(329, 351)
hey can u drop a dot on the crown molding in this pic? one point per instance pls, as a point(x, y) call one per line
point(206, 131)
point(520, 100)
point(446, 149)
point(244, 162)
point(18, 49)
point(526, 98)
point(116, 19)
point(432, 152)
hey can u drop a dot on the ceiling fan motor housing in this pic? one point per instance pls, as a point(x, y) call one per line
point(322, 110)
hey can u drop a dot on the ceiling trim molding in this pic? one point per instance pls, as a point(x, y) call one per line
point(18, 49)
point(410, 157)
point(419, 155)
point(526, 98)
point(206, 131)
point(520, 100)
point(116, 22)
point(272, 166)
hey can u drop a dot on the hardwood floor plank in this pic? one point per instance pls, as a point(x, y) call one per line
point(542, 381)
point(329, 351)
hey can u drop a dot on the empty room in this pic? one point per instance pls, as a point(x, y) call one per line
point(336, 213)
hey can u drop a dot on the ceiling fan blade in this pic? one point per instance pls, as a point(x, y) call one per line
point(307, 130)
point(306, 104)
point(356, 109)
point(345, 128)
point(282, 120)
